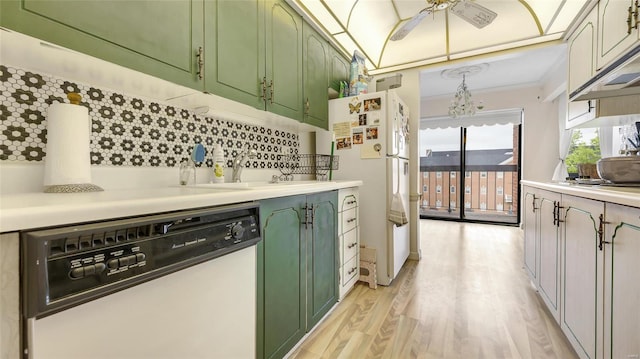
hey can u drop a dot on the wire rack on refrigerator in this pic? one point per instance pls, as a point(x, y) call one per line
point(307, 164)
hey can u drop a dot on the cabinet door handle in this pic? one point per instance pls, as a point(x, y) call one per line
point(632, 17)
point(200, 57)
point(308, 215)
point(635, 15)
point(351, 202)
point(556, 213)
point(307, 106)
point(602, 242)
point(263, 84)
point(271, 87)
point(352, 270)
point(351, 220)
point(352, 245)
point(533, 204)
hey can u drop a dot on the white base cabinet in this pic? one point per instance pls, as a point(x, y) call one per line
point(582, 255)
point(622, 282)
point(542, 245)
point(349, 240)
point(581, 261)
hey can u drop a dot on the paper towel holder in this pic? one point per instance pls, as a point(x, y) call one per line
point(74, 99)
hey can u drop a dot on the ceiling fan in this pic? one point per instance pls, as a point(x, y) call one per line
point(477, 15)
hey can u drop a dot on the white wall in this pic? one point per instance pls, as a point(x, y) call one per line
point(539, 130)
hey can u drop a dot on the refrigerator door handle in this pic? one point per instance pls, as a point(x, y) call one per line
point(395, 145)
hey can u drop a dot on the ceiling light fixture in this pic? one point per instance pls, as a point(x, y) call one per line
point(462, 103)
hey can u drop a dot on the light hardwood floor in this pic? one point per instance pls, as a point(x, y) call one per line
point(468, 297)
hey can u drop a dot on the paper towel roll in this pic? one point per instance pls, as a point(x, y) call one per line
point(68, 158)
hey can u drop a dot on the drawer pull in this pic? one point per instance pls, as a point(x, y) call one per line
point(352, 270)
point(352, 245)
point(351, 202)
point(351, 220)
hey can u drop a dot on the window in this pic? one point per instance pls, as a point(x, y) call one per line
point(584, 148)
point(425, 188)
point(482, 150)
point(438, 189)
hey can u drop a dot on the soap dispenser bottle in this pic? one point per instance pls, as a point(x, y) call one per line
point(218, 164)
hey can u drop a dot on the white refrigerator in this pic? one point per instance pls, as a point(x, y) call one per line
point(370, 133)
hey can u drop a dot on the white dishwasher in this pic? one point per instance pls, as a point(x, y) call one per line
point(174, 285)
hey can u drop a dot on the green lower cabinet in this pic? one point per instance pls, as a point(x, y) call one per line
point(322, 257)
point(160, 38)
point(297, 269)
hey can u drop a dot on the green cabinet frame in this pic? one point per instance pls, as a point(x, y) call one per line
point(255, 54)
point(297, 269)
point(161, 38)
point(316, 78)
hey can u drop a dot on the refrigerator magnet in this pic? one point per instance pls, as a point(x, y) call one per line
point(370, 151)
point(358, 137)
point(372, 104)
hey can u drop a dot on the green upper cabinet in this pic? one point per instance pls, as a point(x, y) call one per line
point(338, 68)
point(315, 77)
point(235, 61)
point(160, 38)
point(254, 54)
point(284, 60)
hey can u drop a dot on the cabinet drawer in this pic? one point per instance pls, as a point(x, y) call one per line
point(348, 220)
point(349, 244)
point(349, 270)
point(347, 199)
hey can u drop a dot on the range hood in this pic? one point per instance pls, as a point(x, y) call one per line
point(621, 78)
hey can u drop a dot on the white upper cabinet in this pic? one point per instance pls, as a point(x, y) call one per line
point(617, 31)
point(582, 52)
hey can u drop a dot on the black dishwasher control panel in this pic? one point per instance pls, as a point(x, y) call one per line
point(67, 266)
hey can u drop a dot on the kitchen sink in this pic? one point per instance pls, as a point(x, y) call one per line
point(259, 184)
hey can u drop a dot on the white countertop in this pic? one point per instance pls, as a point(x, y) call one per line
point(629, 196)
point(35, 210)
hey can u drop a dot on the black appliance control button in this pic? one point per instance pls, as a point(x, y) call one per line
point(123, 261)
point(100, 267)
point(237, 231)
point(77, 273)
point(140, 257)
point(112, 263)
point(89, 270)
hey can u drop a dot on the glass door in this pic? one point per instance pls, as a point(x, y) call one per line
point(440, 172)
point(471, 173)
point(492, 173)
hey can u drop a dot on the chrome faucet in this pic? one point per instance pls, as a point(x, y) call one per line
point(240, 161)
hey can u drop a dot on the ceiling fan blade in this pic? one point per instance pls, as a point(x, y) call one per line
point(477, 15)
point(409, 25)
